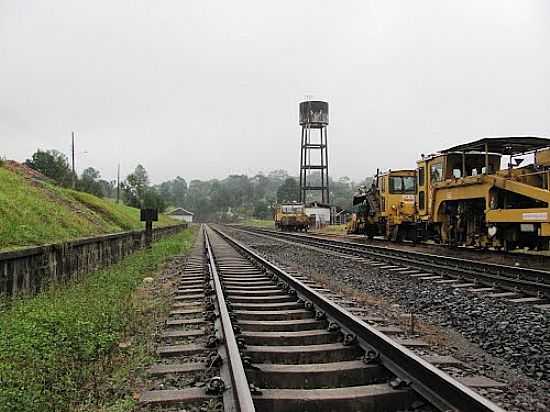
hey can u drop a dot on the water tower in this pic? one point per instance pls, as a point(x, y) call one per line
point(314, 150)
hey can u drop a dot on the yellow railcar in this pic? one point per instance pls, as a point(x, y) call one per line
point(387, 208)
point(465, 198)
point(462, 196)
point(291, 217)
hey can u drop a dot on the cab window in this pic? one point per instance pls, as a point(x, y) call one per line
point(420, 176)
point(396, 184)
point(293, 209)
point(436, 172)
point(402, 184)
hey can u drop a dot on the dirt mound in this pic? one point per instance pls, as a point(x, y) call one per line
point(25, 171)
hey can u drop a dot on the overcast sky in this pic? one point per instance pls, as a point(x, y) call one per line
point(202, 89)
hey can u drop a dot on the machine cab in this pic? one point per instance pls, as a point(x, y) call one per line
point(397, 190)
point(450, 168)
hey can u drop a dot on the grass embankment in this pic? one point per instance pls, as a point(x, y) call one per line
point(35, 212)
point(62, 350)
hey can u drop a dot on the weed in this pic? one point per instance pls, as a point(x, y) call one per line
point(55, 348)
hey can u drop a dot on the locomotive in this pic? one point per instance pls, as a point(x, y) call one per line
point(291, 217)
point(462, 196)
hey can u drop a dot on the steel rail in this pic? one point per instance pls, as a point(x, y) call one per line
point(530, 281)
point(239, 383)
point(430, 382)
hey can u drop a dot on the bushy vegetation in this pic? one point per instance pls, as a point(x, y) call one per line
point(242, 197)
point(41, 212)
point(52, 164)
point(226, 200)
point(51, 345)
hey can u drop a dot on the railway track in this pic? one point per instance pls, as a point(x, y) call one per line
point(520, 285)
point(540, 259)
point(270, 342)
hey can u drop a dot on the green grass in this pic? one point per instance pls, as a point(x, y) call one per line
point(56, 347)
point(332, 229)
point(264, 223)
point(38, 213)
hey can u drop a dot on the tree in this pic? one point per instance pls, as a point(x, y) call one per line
point(179, 191)
point(135, 186)
point(89, 182)
point(53, 164)
point(152, 199)
point(198, 199)
point(108, 188)
point(289, 191)
point(173, 192)
point(262, 210)
point(341, 192)
point(165, 192)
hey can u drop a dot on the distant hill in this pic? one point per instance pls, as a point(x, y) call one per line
point(34, 210)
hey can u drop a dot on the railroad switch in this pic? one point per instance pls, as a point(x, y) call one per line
point(320, 315)
point(214, 360)
point(399, 383)
point(247, 362)
point(333, 327)
point(241, 343)
point(212, 341)
point(215, 386)
point(371, 357)
point(350, 339)
point(210, 315)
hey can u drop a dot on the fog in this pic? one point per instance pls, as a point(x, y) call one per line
point(202, 89)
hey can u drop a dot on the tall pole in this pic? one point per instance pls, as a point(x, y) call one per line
point(118, 184)
point(72, 156)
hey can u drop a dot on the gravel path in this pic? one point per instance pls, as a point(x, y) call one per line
point(507, 342)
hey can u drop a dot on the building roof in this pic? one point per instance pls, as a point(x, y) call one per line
point(180, 211)
point(503, 145)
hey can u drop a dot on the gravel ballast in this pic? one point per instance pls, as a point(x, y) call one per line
point(507, 342)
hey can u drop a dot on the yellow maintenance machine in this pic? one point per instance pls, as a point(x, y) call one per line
point(465, 198)
point(387, 208)
point(291, 217)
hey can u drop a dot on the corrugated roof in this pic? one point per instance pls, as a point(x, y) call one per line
point(503, 145)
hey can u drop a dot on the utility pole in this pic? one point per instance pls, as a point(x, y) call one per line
point(118, 184)
point(72, 156)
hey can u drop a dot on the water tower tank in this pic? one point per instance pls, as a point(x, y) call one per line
point(314, 113)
